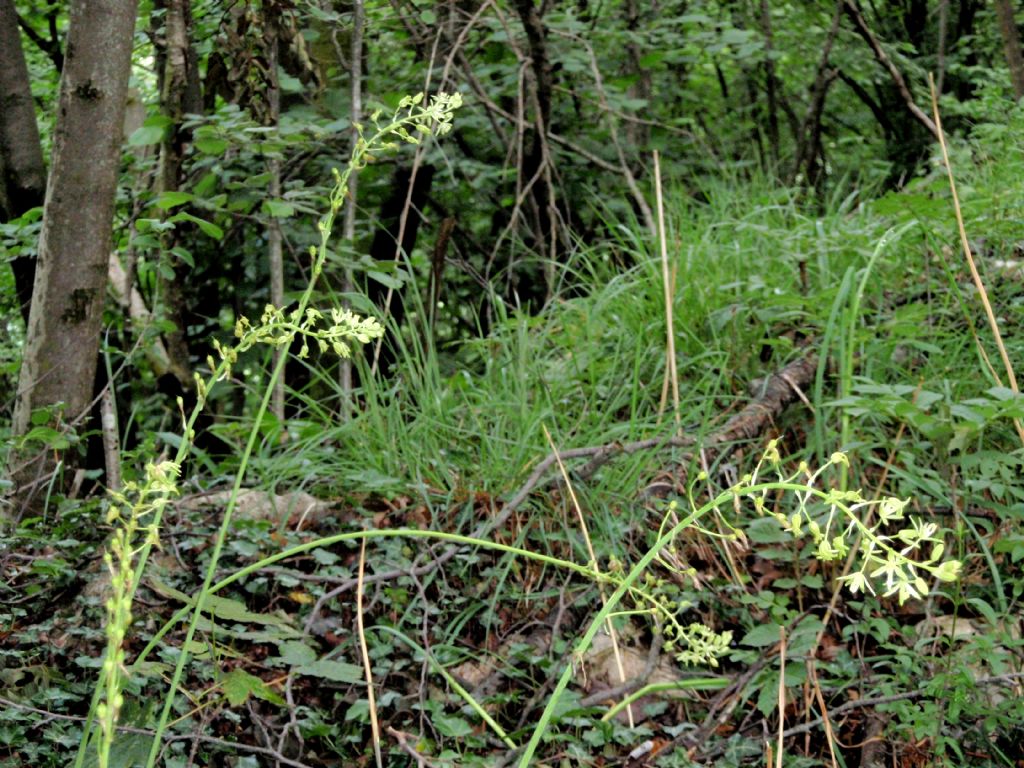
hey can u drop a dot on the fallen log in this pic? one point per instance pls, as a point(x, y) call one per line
point(778, 391)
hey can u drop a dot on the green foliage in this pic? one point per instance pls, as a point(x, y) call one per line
point(500, 352)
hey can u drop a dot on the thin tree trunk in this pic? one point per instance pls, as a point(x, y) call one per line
point(62, 339)
point(275, 255)
point(22, 170)
point(536, 157)
point(349, 223)
point(638, 134)
point(810, 126)
point(179, 95)
point(1011, 45)
point(771, 83)
point(940, 46)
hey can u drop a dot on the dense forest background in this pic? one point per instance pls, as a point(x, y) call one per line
point(677, 422)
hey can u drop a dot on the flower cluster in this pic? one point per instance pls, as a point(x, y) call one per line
point(135, 509)
point(431, 119)
point(833, 517)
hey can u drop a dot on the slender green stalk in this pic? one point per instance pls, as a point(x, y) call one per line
point(211, 569)
point(281, 332)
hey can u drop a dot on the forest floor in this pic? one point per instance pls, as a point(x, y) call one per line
point(560, 440)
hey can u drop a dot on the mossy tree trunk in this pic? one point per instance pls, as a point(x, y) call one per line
point(62, 338)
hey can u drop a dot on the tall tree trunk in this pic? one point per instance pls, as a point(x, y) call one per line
point(62, 340)
point(22, 170)
point(180, 94)
point(1011, 45)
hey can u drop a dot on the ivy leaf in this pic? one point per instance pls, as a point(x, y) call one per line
point(294, 653)
point(452, 726)
point(223, 608)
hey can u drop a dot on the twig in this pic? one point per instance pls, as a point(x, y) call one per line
point(671, 372)
point(364, 652)
point(830, 738)
point(409, 749)
point(780, 389)
point(111, 441)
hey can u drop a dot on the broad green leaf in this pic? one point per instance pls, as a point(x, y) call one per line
point(336, 671)
point(288, 83)
point(295, 653)
point(388, 281)
point(173, 198)
point(768, 696)
point(210, 145)
point(452, 725)
point(766, 530)
point(762, 636)
point(279, 209)
point(184, 255)
point(50, 437)
point(152, 131)
point(208, 227)
point(239, 685)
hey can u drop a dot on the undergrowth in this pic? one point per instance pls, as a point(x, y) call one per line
point(494, 649)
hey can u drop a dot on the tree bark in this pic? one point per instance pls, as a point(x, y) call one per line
point(22, 170)
point(62, 339)
point(1011, 45)
point(180, 94)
